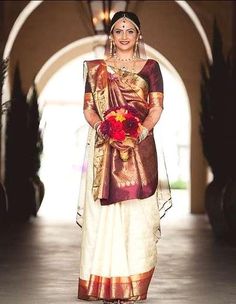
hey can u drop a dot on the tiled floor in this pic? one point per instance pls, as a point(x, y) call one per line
point(39, 263)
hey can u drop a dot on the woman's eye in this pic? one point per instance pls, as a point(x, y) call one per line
point(117, 32)
point(131, 32)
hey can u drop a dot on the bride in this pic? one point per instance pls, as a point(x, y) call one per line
point(121, 198)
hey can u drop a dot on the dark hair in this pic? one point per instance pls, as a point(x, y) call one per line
point(129, 15)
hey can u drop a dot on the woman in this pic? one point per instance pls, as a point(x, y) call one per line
point(121, 194)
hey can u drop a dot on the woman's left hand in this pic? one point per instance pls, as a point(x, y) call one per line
point(143, 134)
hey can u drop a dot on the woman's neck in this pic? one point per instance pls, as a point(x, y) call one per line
point(124, 55)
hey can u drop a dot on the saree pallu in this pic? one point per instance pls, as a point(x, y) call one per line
point(114, 179)
point(118, 246)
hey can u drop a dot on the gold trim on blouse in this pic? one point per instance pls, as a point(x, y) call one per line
point(156, 99)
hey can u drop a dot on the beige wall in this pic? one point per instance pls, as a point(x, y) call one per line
point(165, 26)
point(52, 26)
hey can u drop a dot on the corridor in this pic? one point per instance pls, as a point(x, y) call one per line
point(39, 262)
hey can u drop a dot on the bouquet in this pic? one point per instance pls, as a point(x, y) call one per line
point(121, 125)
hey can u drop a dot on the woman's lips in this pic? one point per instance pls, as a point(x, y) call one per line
point(124, 42)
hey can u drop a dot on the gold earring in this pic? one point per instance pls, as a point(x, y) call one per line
point(135, 49)
point(114, 49)
point(111, 47)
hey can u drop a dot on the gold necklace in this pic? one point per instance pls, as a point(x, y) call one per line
point(124, 69)
point(124, 59)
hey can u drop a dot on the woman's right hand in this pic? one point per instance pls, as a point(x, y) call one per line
point(97, 127)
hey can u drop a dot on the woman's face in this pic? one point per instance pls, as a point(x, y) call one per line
point(124, 35)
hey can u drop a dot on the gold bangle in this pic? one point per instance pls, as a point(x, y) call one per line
point(96, 125)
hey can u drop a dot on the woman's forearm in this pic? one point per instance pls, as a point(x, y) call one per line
point(152, 117)
point(91, 117)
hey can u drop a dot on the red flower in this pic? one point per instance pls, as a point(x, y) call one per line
point(120, 122)
point(105, 128)
point(131, 126)
point(119, 135)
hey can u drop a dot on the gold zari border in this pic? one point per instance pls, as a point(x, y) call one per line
point(156, 99)
point(88, 101)
point(134, 287)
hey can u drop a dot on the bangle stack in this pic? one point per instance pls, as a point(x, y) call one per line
point(95, 126)
point(144, 134)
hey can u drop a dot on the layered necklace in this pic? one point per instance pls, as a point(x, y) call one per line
point(123, 65)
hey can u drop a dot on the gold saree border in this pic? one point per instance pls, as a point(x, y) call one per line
point(131, 79)
point(133, 287)
point(88, 101)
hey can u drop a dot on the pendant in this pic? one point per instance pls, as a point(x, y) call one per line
point(123, 71)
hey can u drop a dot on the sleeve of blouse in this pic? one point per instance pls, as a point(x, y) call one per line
point(155, 97)
point(89, 107)
point(88, 96)
point(156, 93)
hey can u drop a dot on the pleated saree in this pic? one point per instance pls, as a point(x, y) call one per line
point(120, 203)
